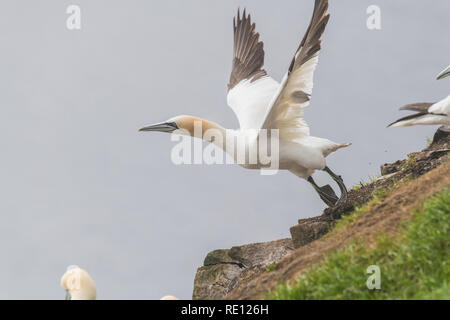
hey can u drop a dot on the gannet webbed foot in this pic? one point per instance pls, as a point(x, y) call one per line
point(340, 182)
point(326, 193)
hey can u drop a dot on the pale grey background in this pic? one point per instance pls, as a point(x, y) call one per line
point(79, 184)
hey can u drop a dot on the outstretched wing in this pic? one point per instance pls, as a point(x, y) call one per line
point(250, 89)
point(248, 55)
point(427, 113)
point(286, 112)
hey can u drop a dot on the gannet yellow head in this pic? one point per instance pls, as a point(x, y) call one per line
point(444, 73)
point(78, 284)
point(183, 122)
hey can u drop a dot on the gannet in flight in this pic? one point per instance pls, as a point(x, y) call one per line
point(428, 113)
point(78, 284)
point(260, 102)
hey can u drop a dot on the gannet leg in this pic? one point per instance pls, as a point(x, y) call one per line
point(326, 193)
point(340, 183)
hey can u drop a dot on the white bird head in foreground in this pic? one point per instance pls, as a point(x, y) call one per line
point(445, 73)
point(78, 284)
point(169, 298)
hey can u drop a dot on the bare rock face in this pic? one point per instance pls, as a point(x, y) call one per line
point(222, 269)
point(390, 168)
point(418, 163)
point(307, 230)
point(310, 229)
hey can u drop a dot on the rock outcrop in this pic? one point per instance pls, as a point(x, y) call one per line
point(223, 269)
point(418, 163)
point(228, 273)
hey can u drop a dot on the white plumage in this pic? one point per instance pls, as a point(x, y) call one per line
point(250, 101)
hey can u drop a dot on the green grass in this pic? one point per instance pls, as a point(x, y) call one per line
point(409, 163)
point(378, 196)
point(414, 264)
point(270, 267)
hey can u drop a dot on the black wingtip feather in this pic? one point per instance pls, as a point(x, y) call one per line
point(248, 55)
point(311, 42)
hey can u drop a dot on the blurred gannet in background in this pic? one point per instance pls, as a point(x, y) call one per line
point(260, 102)
point(78, 284)
point(428, 113)
point(169, 298)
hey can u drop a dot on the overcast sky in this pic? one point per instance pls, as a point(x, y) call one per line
point(81, 186)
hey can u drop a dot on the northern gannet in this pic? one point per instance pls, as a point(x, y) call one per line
point(78, 284)
point(169, 298)
point(428, 113)
point(260, 102)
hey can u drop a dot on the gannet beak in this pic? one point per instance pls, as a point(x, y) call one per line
point(162, 127)
point(444, 73)
point(68, 296)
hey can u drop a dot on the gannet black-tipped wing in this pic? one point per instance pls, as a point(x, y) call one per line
point(422, 111)
point(428, 113)
point(310, 44)
point(286, 112)
point(248, 52)
point(250, 89)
